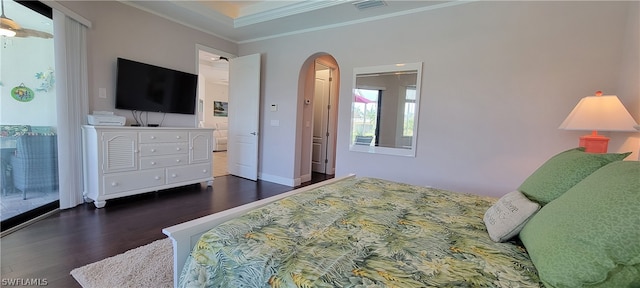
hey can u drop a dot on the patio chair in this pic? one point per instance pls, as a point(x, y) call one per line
point(364, 140)
point(35, 163)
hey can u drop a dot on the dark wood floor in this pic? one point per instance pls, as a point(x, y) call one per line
point(51, 248)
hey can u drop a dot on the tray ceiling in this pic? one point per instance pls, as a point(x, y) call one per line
point(246, 21)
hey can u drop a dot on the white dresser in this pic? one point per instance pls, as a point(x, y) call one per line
point(122, 161)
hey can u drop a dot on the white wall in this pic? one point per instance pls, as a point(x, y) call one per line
point(119, 30)
point(629, 83)
point(499, 77)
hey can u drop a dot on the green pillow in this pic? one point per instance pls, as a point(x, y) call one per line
point(590, 236)
point(563, 171)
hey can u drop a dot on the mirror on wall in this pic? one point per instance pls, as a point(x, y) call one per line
point(384, 109)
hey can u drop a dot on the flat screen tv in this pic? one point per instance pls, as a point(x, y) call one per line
point(145, 87)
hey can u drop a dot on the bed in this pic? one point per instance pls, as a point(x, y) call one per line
point(367, 232)
point(359, 231)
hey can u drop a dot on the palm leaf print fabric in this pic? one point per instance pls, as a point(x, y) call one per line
point(360, 232)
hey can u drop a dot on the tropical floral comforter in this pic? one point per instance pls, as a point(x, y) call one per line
point(360, 232)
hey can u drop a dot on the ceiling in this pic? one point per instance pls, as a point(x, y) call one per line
point(213, 68)
point(246, 21)
point(26, 17)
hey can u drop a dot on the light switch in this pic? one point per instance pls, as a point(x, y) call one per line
point(102, 93)
point(275, 122)
point(274, 107)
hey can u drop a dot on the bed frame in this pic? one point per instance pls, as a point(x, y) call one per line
point(185, 235)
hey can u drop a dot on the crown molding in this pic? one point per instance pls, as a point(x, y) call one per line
point(284, 11)
point(363, 20)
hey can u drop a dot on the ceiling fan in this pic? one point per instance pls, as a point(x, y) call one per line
point(11, 28)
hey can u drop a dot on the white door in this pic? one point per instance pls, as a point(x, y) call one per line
point(244, 113)
point(321, 103)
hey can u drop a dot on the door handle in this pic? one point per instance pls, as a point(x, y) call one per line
point(253, 133)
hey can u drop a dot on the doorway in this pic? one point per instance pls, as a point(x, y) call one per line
point(29, 174)
point(213, 99)
point(231, 110)
point(321, 112)
point(320, 76)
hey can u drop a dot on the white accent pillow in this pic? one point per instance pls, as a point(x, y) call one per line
point(508, 216)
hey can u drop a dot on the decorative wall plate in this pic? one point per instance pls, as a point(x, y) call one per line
point(48, 80)
point(22, 93)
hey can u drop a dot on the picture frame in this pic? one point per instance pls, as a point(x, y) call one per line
point(220, 109)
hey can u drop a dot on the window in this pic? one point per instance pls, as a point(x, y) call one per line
point(365, 121)
point(409, 111)
point(28, 116)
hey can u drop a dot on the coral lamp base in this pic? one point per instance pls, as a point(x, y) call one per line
point(594, 143)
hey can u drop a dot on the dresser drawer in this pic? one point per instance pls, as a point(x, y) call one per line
point(164, 161)
point(124, 182)
point(163, 137)
point(164, 149)
point(187, 173)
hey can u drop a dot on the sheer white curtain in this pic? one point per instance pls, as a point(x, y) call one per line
point(70, 46)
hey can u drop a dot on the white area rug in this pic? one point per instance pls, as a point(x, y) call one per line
point(150, 265)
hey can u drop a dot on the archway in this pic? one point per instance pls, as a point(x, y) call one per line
point(317, 118)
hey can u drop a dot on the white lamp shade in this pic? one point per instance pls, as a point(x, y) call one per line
point(599, 113)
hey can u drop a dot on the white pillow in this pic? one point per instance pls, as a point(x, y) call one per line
point(508, 216)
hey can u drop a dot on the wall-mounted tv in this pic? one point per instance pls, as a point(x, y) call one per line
point(145, 87)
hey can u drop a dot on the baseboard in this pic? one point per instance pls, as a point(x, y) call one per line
point(305, 178)
point(277, 179)
point(27, 223)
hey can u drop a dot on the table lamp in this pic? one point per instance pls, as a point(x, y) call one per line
point(593, 113)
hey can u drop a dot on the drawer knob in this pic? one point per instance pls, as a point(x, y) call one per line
point(178, 137)
point(174, 175)
point(114, 184)
point(153, 150)
point(153, 163)
point(178, 160)
point(178, 148)
point(204, 170)
point(153, 137)
point(157, 177)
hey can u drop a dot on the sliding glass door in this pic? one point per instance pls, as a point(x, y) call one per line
point(28, 120)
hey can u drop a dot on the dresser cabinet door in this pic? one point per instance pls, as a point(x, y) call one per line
point(201, 148)
point(119, 151)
